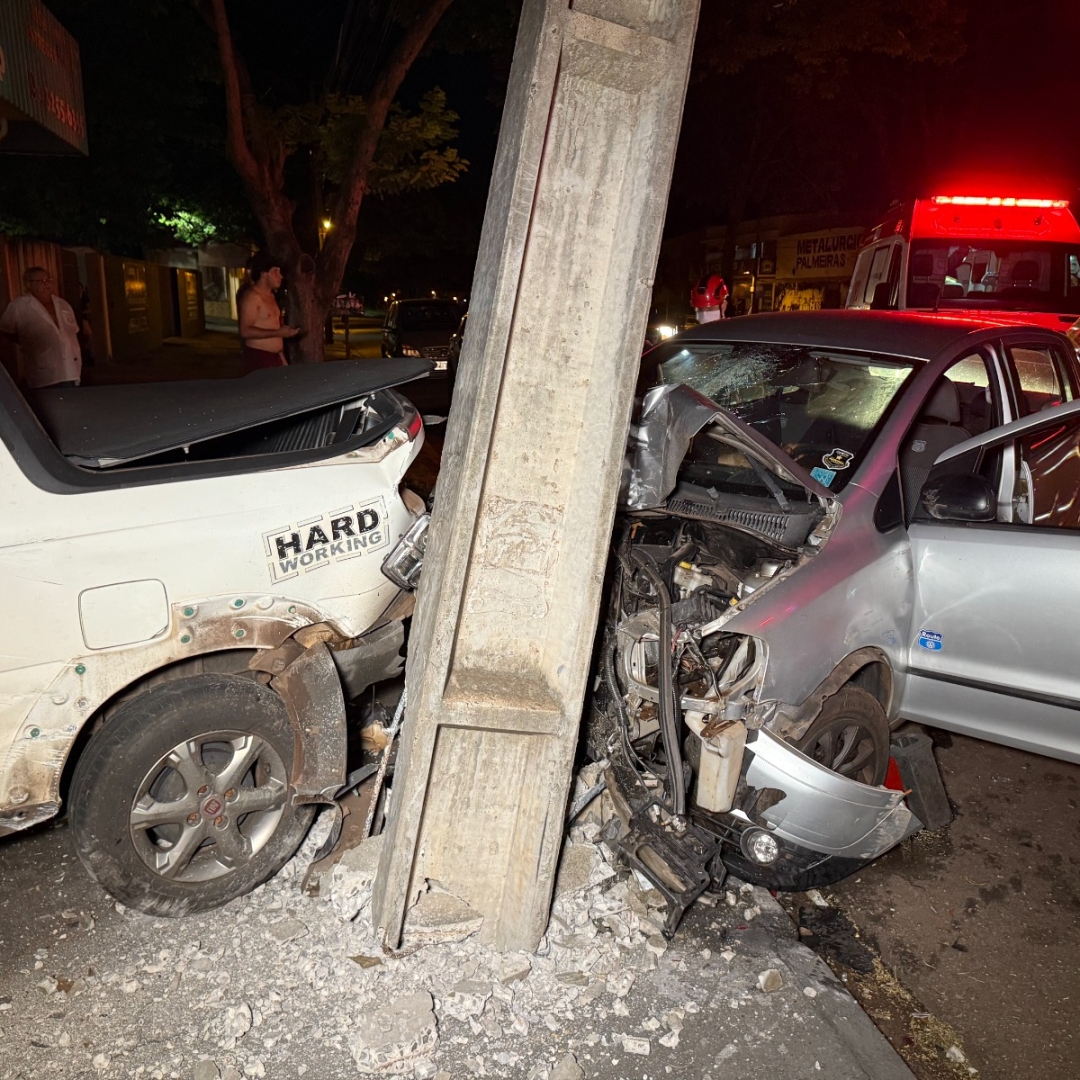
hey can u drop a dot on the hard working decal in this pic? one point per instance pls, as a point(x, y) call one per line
point(332, 537)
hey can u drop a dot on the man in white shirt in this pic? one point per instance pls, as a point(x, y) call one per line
point(46, 330)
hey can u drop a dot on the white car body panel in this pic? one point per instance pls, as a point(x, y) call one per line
point(104, 586)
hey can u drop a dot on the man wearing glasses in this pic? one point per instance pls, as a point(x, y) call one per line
point(46, 330)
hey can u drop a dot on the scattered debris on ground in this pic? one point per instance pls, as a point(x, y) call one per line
point(290, 981)
point(930, 1047)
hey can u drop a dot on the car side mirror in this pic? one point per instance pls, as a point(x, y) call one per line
point(959, 497)
point(882, 301)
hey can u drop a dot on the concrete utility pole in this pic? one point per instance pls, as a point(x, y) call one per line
point(508, 601)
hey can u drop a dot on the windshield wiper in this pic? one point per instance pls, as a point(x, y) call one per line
point(764, 476)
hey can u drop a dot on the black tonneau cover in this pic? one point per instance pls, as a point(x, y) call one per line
point(98, 425)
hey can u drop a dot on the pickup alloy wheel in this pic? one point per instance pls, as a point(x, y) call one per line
point(182, 801)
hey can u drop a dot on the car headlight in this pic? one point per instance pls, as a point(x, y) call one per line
point(408, 350)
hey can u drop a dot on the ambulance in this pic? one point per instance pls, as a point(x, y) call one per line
point(973, 252)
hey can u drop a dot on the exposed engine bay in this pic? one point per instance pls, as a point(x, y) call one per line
point(701, 783)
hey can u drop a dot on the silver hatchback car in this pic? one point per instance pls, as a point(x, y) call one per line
point(834, 521)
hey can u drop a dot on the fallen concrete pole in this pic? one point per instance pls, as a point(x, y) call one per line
point(508, 602)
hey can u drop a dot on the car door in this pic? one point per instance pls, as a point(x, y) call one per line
point(993, 648)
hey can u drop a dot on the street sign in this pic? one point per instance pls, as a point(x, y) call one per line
point(41, 98)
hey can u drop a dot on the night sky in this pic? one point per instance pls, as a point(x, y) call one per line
point(840, 131)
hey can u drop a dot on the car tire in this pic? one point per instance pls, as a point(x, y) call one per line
point(851, 732)
point(850, 736)
point(148, 820)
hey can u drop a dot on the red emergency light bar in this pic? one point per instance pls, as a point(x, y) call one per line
point(985, 200)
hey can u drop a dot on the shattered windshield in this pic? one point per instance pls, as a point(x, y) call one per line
point(823, 407)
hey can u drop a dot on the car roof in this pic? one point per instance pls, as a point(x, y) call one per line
point(919, 335)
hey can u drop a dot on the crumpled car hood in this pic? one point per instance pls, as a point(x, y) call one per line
point(670, 417)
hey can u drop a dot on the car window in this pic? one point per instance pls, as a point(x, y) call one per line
point(823, 407)
point(1038, 378)
point(1008, 274)
point(964, 402)
point(433, 316)
point(977, 394)
point(1048, 484)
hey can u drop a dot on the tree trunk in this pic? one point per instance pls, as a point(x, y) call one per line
point(260, 163)
point(308, 310)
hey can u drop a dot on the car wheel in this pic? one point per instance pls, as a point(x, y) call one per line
point(182, 801)
point(851, 736)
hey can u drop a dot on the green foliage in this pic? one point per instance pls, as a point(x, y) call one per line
point(413, 153)
point(189, 227)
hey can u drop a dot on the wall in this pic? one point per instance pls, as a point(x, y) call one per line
point(133, 290)
point(187, 285)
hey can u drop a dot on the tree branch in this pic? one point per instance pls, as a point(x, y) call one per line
point(239, 151)
point(346, 207)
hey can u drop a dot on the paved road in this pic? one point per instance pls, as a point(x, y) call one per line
point(981, 921)
point(269, 987)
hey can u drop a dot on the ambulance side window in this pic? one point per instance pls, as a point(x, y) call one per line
point(879, 268)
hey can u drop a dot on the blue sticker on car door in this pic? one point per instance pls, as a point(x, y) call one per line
point(931, 640)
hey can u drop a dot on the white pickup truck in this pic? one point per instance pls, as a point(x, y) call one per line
point(192, 584)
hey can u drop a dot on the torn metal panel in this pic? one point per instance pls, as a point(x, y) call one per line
point(820, 809)
point(311, 690)
point(671, 416)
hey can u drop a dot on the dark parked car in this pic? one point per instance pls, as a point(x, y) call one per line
point(421, 328)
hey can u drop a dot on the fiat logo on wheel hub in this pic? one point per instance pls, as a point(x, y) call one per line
point(213, 806)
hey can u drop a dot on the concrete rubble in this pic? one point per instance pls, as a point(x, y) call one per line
point(285, 984)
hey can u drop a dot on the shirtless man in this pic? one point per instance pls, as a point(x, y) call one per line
point(261, 333)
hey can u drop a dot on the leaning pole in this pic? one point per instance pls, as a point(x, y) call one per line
point(507, 605)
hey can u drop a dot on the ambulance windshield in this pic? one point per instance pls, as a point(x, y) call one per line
point(1019, 275)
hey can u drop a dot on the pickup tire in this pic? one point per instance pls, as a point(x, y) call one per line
point(182, 801)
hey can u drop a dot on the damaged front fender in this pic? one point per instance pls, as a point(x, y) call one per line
point(810, 805)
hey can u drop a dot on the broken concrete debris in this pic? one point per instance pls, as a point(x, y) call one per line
point(770, 980)
point(567, 1069)
point(466, 1000)
point(391, 1039)
point(286, 970)
point(205, 1069)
